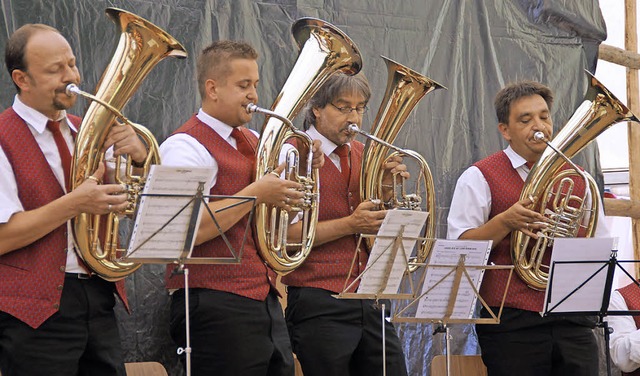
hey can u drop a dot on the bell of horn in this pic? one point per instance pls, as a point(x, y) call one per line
point(142, 45)
point(405, 88)
point(552, 184)
point(324, 50)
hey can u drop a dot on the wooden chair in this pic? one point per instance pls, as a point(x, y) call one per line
point(145, 369)
point(461, 365)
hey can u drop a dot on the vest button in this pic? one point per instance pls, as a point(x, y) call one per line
point(62, 268)
point(351, 208)
point(59, 287)
point(350, 194)
point(56, 306)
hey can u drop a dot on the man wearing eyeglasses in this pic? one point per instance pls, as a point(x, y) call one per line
point(339, 336)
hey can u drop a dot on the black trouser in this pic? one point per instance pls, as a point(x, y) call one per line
point(80, 339)
point(526, 344)
point(340, 336)
point(232, 334)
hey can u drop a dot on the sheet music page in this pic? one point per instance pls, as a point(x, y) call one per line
point(433, 305)
point(567, 277)
point(380, 255)
point(154, 212)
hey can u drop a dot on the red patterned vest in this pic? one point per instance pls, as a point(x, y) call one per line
point(33, 276)
point(327, 265)
point(252, 279)
point(505, 185)
point(631, 295)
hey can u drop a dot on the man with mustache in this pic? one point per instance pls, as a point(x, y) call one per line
point(486, 206)
point(56, 317)
point(339, 336)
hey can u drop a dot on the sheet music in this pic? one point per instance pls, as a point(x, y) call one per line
point(567, 277)
point(434, 304)
point(380, 256)
point(155, 211)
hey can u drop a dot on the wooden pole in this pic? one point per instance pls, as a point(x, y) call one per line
point(616, 207)
point(631, 44)
point(619, 56)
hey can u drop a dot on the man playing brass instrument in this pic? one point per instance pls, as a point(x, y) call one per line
point(56, 318)
point(486, 206)
point(237, 324)
point(339, 336)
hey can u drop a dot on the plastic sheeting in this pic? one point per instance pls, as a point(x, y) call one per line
point(472, 47)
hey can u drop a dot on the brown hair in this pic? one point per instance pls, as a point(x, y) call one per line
point(16, 46)
point(515, 91)
point(213, 62)
point(338, 84)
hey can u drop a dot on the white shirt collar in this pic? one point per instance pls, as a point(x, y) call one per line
point(36, 119)
point(327, 146)
point(221, 128)
point(516, 160)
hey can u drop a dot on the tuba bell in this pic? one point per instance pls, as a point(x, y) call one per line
point(551, 184)
point(142, 45)
point(325, 49)
point(405, 88)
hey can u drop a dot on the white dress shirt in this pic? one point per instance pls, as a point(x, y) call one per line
point(625, 339)
point(182, 150)
point(9, 199)
point(471, 202)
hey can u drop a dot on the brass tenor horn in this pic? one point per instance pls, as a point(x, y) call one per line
point(405, 88)
point(551, 183)
point(142, 45)
point(325, 49)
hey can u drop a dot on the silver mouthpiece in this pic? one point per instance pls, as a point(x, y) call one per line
point(353, 128)
point(72, 89)
point(252, 108)
point(539, 136)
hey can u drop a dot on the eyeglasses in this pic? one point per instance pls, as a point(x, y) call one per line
point(347, 110)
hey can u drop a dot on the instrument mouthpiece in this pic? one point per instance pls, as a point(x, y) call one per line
point(252, 108)
point(353, 128)
point(71, 90)
point(539, 136)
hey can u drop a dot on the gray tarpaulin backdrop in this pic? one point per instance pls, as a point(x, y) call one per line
point(472, 47)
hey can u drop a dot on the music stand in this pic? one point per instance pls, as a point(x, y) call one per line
point(181, 214)
point(589, 292)
point(442, 278)
point(388, 263)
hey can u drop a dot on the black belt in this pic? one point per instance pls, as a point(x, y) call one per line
point(77, 275)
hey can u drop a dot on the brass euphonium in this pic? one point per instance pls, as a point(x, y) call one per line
point(324, 50)
point(552, 187)
point(405, 88)
point(142, 45)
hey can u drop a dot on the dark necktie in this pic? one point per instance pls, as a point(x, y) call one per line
point(343, 152)
point(63, 150)
point(243, 145)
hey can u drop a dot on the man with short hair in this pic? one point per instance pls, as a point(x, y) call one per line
point(56, 317)
point(486, 205)
point(237, 325)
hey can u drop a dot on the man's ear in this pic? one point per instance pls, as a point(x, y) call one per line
point(211, 88)
point(504, 128)
point(316, 111)
point(21, 79)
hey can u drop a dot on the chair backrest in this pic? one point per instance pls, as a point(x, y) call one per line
point(461, 365)
point(145, 369)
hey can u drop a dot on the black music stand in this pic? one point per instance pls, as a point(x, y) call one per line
point(443, 281)
point(189, 207)
point(600, 306)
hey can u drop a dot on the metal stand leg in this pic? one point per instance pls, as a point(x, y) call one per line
point(187, 349)
point(607, 336)
point(443, 328)
point(384, 344)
